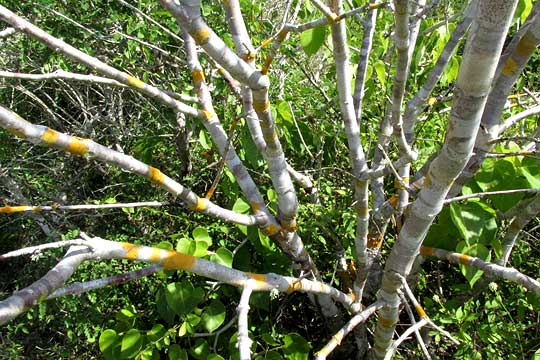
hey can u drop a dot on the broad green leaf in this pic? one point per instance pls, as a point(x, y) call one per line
point(380, 70)
point(475, 221)
point(196, 248)
point(166, 245)
point(312, 39)
point(284, 110)
point(223, 257)
point(201, 234)
point(183, 297)
point(131, 344)
point(295, 347)
point(164, 309)
point(203, 140)
point(240, 206)
point(201, 350)
point(175, 352)
point(213, 315)
point(476, 250)
point(149, 354)
point(156, 332)
point(107, 341)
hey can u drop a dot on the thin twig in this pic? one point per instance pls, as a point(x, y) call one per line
point(489, 193)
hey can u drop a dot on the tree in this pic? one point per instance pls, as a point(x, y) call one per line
point(264, 122)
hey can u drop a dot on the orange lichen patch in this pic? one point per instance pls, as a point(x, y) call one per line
point(374, 241)
point(431, 101)
point(271, 229)
point(510, 67)
point(334, 17)
point(260, 280)
point(206, 115)
point(13, 209)
point(266, 42)
point(200, 206)
point(394, 200)
point(132, 250)
point(282, 35)
point(420, 311)
point(255, 206)
point(362, 211)
point(427, 180)
point(294, 286)
point(197, 76)
point(155, 255)
point(526, 45)
point(178, 261)
point(270, 136)
point(465, 259)
point(290, 226)
point(261, 106)
point(426, 251)
point(360, 183)
point(134, 82)
point(387, 323)
point(201, 36)
point(50, 136)
point(250, 56)
point(338, 337)
point(78, 146)
point(266, 65)
point(155, 176)
point(210, 192)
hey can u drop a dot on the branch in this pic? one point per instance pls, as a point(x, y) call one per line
point(30, 296)
point(56, 207)
point(65, 75)
point(86, 147)
point(511, 121)
point(480, 57)
point(489, 193)
point(355, 321)
point(60, 46)
point(32, 250)
point(507, 273)
point(79, 288)
point(7, 32)
point(244, 342)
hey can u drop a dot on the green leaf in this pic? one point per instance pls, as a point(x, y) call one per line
point(380, 70)
point(192, 247)
point(203, 140)
point(477, 250)
point(107, 341)
point(165, 311)
point(213, 315)
point(312, 39)
point(200, 234)
point(156, 332)
point(240, 206)
point(475, 221)
point(175, 352)
point(183, 297)
point(215, 357)
point(284, 109)
point(222, 256)
point(296, 347)
point(131, 344)
point(201, 350)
